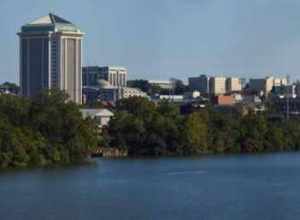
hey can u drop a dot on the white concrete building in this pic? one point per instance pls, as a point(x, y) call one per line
point(101, 116)
point(127, 92)
point(172, 98)
point(116, 76)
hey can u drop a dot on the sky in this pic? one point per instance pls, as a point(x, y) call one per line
point(160, 39)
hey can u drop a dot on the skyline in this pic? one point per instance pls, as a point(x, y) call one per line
point(247, 39)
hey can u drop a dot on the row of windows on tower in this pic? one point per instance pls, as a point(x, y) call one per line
point(117, 80)
point(54, 63)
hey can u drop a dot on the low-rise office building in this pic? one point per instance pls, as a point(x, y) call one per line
point(264, 86)
point(223, 100)
point(116, 76)
point(171, 98)
point(127, 92)
point(286, 106)
point(233, 84)
point(108, 93)
point(200, 83)
point(217, 85)
point(163, 84)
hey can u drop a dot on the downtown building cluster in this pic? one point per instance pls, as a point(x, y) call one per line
point(51, 58)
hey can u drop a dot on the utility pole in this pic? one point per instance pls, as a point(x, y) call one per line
point(287, 99)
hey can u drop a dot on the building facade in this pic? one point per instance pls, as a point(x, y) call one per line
point(91, 75)
point(217, 85)
point(163, 84)
point(200, 83)
point(50, 57)
point(297, 89)
point(110, 93)
point(127, 92)
point(265, 85)
point(233, 84)
point(223, 100)
point(116, 76)
point(290, 106)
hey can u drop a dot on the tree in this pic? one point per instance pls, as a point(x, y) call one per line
point(195, 133)
point(46, 130)
point(126, 131)
point(140, 84)
point(179, 87)
point(138, 106)
point(11, 87)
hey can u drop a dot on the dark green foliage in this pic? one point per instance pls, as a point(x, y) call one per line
point(43, 131)
point(145, 86)
point(144, 128)
point(194, 135)
point(141, 84)
point(11, 87)
point(147, 129)
point(179, 87)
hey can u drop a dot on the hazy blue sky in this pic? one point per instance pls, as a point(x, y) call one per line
point(159, 39)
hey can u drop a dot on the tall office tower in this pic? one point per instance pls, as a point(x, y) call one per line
point(200, 83)
point(217, 85)
point(116, 76)
point(233, 84)
point(50, 57)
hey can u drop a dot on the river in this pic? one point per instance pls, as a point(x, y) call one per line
point(213, 187)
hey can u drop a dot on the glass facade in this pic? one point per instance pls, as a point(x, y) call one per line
point(34, 65)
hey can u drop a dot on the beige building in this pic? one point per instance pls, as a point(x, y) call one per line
point(233, 84)
point(50, 57)
point(217, 85)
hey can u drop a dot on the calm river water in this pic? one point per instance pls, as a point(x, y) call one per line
point(215, 187)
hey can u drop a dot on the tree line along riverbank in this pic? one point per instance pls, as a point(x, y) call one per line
point(145, 128)
point(47, 130)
